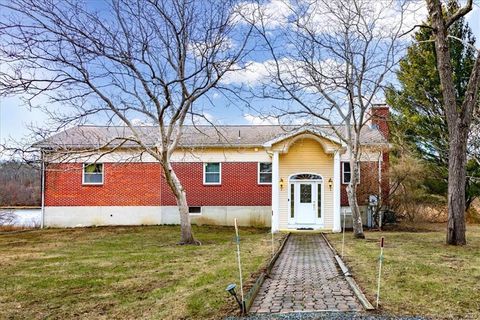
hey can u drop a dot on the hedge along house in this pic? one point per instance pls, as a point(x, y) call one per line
point(285, 177)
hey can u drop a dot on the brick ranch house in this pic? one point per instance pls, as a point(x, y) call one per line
point(283, 177)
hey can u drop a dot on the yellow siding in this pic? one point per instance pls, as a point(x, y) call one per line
point(306, 155)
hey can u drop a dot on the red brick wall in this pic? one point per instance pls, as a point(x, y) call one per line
point(132, 184)
point(140, 184)
point(239, 186)
point(380, 117)
point(368, 181)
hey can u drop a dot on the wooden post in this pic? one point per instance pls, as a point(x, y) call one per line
point(273, 245)
point(380, 261)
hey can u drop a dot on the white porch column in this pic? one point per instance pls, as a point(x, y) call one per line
point(336, 192)
point(275, 193)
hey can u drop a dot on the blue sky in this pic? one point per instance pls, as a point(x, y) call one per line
point(16, 117)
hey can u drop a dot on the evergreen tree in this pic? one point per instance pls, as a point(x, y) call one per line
point(419, 117)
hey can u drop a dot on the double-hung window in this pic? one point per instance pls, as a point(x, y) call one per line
point(264, 173)
point(92, 173)
point(212, 173)
point(347, 173)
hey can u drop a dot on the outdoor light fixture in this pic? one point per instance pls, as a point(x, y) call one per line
point(282, 183)
point(231, 289)
point(330, 183)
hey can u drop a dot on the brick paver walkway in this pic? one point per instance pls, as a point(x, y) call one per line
point(305, 278)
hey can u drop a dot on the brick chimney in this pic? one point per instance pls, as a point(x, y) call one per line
point(379, 115)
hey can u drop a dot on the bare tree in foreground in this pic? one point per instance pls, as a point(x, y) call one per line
point(458, 114)
point(7, 217)
point(329, 63)
point(133, 59)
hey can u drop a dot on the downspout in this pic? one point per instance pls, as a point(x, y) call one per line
point(272, 216)
point(42, 222)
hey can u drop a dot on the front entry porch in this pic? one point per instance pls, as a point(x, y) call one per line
point(306, 183)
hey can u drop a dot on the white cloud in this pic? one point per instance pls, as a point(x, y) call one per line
point(473, 19)
point(208, 116)
point(327, 16)
point(261, 120)
point(271, 14)
point(264, 73)
point(383, 18)
point(251, 74)
point(204, 119)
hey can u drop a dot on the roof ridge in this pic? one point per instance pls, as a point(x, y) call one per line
point(210, 125)
point(250, 134)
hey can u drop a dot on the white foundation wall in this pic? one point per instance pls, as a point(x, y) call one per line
point(346, 212)
point(247, 216)
point(255, 216)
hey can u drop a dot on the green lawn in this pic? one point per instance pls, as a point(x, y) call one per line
point(124, 272)
point(421, 275)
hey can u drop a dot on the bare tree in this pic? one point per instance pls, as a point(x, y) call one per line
point(7, 217)
point(124, 59)
point(458, 115)
point(329, 63)
point(20, 184)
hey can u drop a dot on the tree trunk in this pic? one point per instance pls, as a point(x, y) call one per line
point(458, 120)
point(181, 198)
point(352, 201)
point(456, 187)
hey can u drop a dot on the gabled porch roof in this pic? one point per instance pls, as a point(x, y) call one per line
point(306, 133)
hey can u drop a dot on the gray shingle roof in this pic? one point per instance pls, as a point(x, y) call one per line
point(194, 136)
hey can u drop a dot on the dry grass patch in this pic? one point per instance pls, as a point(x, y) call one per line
point(124, 272)
point(422, 275)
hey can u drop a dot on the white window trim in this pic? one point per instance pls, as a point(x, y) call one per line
point(258, 173)
point(93, 183)
point(343, 172)
point(204, 174)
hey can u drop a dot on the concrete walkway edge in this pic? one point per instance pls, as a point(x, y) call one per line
point(351, 281)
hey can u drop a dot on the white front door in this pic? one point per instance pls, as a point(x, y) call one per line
point(306, 202)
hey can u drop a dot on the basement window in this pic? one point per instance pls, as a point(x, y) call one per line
point(92, 173)
point(195, 211)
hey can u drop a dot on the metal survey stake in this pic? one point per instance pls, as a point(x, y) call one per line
point(380, 261)
point(239, 265)
point(343, 235)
